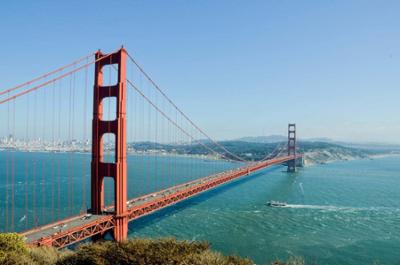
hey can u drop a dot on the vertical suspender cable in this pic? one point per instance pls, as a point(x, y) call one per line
point(143, 129)
point(34, 160)
point(13, 173)
point(135, 172)
point(169, 141)
point(176, 157)
point(163, 137)
point(59, 145)
point(149, 179)
point(73, 155)
point(156, 178)
point(53, 147)
point(43, 139)
point(69, 142)
point(84, 207)
point(27, 140)
point(7, 164)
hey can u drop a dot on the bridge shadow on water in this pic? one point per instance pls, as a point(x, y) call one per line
point(156, 217)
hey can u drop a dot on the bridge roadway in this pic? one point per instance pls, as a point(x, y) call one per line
point(72, 230)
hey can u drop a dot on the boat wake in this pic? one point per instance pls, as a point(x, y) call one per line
point(336, 208)
point(317, 207)
point(23, 218)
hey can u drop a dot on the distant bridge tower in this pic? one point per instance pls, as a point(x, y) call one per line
point(291, 147)
point(117, 169)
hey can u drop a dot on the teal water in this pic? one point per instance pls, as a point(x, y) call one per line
point(52, 186)
point(340, 213)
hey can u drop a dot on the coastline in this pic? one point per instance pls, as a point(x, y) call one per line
point(88, 152)
point(316, 158)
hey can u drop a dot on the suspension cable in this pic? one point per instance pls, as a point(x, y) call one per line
point(278, 147)
point(52, 80)
point(179, 110)
point(169, 119)
point(47, 74)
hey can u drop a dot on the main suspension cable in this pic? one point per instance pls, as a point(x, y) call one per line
point(180, 111)
point(47, 74)
point(52, 80)
point(170, 120)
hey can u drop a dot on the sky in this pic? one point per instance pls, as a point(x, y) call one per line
point(237, 68)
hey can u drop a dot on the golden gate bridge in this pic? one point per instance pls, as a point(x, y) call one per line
point(47, 119)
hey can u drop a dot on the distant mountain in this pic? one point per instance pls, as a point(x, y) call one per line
point(263, 139)
point(280, 138)
point(359, 145)
point(314, 152)
point(320, 139)
point(370, 146)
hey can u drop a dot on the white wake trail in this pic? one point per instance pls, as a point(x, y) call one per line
point(317, 207)
point(336, 208)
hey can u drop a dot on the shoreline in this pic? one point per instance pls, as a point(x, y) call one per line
point(317, 157)
point(311, 162)
point(150, 154)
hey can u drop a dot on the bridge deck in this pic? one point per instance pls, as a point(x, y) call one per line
point(75, 229)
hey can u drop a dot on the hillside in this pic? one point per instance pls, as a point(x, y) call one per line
point(263, 139)
point(13, 251)
point(321, 153)
point(315, 152)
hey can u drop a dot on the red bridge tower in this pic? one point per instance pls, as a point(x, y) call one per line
point(100, 169)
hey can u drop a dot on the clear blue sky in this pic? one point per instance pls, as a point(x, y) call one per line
point(237, 68)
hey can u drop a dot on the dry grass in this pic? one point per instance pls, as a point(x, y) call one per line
point(138, 252)
point(149, 252)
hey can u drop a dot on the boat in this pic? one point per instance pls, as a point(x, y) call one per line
point(276, 204)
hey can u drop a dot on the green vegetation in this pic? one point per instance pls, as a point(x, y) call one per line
point(13, 251)
point(256, 151)
point(137, 251)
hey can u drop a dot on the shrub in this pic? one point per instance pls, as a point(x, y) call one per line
point(46, 255)
point(13, 251)
point(149, 252)
point(12, 242)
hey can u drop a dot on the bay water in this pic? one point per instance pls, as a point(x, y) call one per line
point(345, 212)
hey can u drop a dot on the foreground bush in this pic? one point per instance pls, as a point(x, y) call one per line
point(149, 252)
point(136, 252)
point(13, 250)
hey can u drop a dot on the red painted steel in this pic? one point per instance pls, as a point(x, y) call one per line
point(101, 169)
point(152, 203)
point(116, 217)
